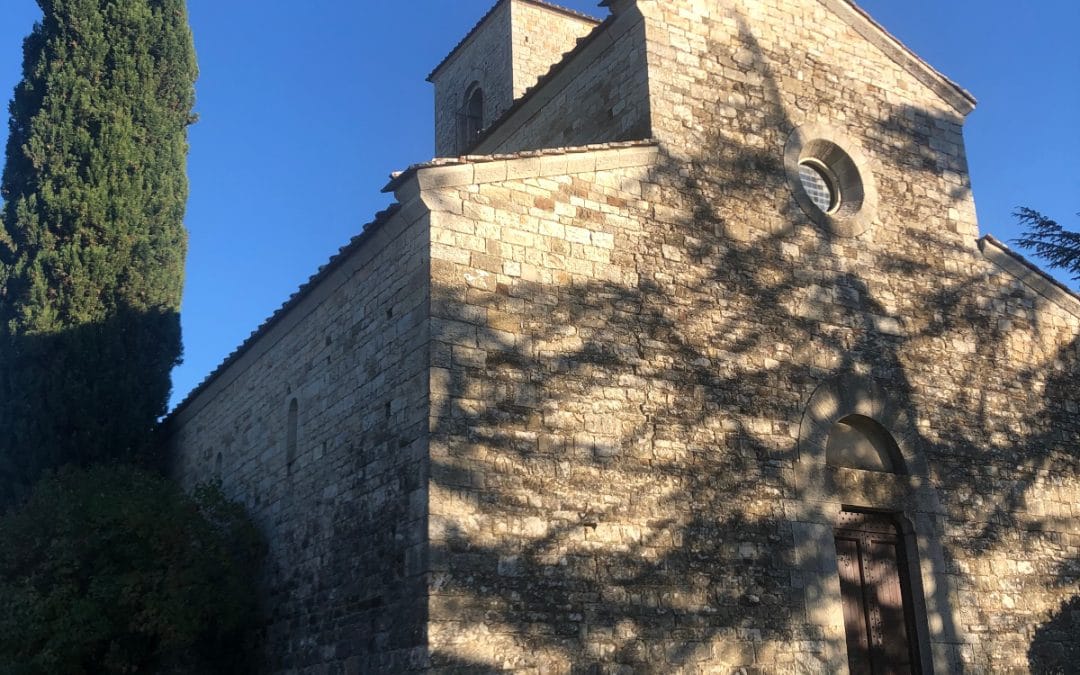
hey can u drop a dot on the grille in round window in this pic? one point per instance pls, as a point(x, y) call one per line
point(828, 182)
point(819, 186)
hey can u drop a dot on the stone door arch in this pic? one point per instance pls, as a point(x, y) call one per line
point(826, 492)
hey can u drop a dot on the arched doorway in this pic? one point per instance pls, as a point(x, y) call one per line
point(867, 534)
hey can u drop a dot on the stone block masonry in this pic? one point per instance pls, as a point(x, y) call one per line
point(511, 48)
point(572, 409)
point(617, 390)
point(344, 508)
point(541, 35)
point(603, 82)
point(489, 45)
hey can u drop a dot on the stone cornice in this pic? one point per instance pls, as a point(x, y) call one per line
point(476, 169)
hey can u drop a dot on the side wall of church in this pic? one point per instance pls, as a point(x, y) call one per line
point(624, 359)
point(341, 498)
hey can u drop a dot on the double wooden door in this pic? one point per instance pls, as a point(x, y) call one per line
point(874, 583)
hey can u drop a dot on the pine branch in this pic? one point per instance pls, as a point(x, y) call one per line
point(1050, 241)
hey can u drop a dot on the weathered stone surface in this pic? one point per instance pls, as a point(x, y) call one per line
point(612, 375)
point(345, 581)
point(516, 44)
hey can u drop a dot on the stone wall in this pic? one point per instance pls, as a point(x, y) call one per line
point(597, 95)
point(344, 509)
point(626, 359)
point(731, 85)
point(540, 36)
point(486, 57)
point(517, 43)
point(617, 399)
point(909, 301)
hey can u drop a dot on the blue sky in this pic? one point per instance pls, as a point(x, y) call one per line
point(305, 112)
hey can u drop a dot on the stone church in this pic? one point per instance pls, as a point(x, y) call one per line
point(687, 355)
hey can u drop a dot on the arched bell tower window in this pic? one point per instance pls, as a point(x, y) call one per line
point(858, 442)
point(471, 121)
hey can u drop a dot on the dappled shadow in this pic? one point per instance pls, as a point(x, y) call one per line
point(615, 477)
point(614, 463)
point(1056, 646)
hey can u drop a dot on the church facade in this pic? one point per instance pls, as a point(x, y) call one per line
point(686, 356)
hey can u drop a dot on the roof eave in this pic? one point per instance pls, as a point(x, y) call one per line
point(325, 271)
point(998, 253)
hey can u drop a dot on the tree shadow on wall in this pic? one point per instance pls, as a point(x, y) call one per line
point(85, 395)
point(615, 477)
point(1056, 646)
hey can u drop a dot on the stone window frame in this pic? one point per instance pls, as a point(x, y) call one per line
point(824, 492)
point(468, 117)
point(848, 166)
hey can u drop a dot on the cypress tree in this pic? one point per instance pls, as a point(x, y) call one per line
point(92, 245)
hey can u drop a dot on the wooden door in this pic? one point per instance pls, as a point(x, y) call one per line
point(875, 591)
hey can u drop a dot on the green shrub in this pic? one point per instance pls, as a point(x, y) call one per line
point(116, 570)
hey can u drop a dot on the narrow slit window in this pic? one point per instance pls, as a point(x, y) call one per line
point(291, 432)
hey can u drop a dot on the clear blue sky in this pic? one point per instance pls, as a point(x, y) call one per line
point(307, 107)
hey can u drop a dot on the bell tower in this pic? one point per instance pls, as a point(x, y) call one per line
point(516, 43)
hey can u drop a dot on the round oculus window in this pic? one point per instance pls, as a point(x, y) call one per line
point(820, 185)
point(825, 172)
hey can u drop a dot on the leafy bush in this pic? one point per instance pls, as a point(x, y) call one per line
point(116, 570)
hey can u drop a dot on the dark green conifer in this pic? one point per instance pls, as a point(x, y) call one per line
point(92, 245)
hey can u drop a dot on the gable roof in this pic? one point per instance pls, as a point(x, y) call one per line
point(866, 26)
point(479, 24)
point(959, 98)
